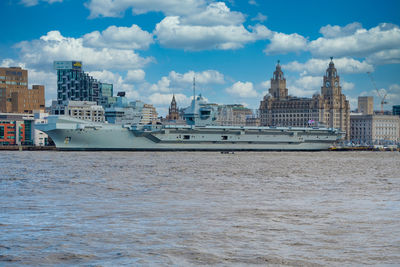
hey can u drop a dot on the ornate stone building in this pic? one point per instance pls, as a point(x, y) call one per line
point(233, 115)
point(330, 108)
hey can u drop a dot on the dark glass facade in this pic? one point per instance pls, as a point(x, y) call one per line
point(74, 84)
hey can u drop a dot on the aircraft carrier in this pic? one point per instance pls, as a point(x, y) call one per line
point(69, 133)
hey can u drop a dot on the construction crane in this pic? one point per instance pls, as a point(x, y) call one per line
point(382, 97)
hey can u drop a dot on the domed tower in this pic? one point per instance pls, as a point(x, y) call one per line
point(278, 84)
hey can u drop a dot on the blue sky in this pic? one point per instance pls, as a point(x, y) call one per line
point(152, 49)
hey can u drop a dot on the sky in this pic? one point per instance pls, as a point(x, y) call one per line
point(152, 49)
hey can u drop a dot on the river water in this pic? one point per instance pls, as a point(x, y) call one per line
point(199, 208)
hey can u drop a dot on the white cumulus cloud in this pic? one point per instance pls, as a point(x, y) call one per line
point(316, 66)
point(135, 75)
point(242, 89)
point(54, 46)
point(361, 43)
point(335, 31)
point(172, 33)
point(119, 37)
point(215, 14)
point(282, 43)
point(116, 8)
point(176, 81)
point(347, 86)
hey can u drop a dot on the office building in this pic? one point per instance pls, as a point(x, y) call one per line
point(85, 110)
point(107, 99)
point(366, 105)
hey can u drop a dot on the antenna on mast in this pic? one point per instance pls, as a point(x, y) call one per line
point(194, 87)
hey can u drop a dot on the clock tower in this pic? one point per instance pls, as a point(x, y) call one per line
point(334, 107)
point(331, 85)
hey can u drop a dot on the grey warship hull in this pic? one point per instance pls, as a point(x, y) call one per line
point(73, 134)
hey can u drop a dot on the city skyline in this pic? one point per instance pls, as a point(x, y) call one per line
point(153, 49)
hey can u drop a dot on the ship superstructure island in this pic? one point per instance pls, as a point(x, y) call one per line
point(200, 133)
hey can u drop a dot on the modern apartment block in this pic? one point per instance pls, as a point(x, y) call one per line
point(16, 129)
point(15, 97)
point(76, 85)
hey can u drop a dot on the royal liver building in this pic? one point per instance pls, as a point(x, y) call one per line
point(330, 108)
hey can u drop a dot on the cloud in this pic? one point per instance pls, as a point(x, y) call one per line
point(163, 85)
point(309, 83)
point(119, 37)
point(9, 62)
point(305, 86)
point(318, 66)
point(107, 77)
point(391, 56)
point(117, 8)
point(242, 89)
point(204, 77)
point(177, 81)
point(336, 31)
point(29, 3)
point(172, 33)
point(214, 14)
point(347, 86)
point(354, 41)
point(266, 84)
point(378, 45)
point(135, 75)
point(54, 46)
point(282, 43)
point(260, 17)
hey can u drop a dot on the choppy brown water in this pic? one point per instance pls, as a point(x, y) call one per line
point(189, 209)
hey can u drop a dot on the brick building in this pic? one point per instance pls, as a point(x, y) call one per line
point(15, 97)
